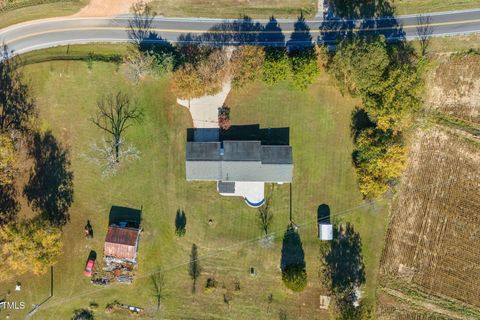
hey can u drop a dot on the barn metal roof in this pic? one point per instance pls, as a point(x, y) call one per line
point(121, 242)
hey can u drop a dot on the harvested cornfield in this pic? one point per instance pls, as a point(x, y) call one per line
point(454, 87)
point(432, 241)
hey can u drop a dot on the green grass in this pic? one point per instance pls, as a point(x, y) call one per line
point(319, 121)
point(424, 6)
point(24, 10)
point(74, 52)
point(449, 44)
point(235, 8)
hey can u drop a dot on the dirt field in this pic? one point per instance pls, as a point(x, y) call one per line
point(432, 241)
point(105, 8)
point(454, 87)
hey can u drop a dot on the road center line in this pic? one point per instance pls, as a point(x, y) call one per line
point(160, 30)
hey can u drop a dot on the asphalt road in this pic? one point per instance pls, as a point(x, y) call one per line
point(60, 31)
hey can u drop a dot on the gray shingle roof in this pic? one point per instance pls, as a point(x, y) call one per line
point(238, 161)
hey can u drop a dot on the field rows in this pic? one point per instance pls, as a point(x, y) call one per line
point(432, 241)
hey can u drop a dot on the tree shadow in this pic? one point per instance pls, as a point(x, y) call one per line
point(243, 31)
point(140, 24)
point(247, 132)
point(292, 262)
point(359, 17)
point(88, 230)
point(272, 34)
point(344, 261)
point(253, 132)
point(17, 106)
point(293, 255)
point(300, 39)
point(50, 187)
point(180, 223)
point(360, 121)
point(125, 217)
point(9, 206)
point(323, 214)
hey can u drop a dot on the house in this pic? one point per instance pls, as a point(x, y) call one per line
point(241, 168)
point(121, 243)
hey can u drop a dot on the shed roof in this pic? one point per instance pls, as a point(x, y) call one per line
point(121, 242)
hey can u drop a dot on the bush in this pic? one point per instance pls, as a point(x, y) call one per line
point(295, 277)
point(224, 118)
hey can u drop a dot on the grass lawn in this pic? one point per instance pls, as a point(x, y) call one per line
point(25, 10)
point(318, 119)
point(235, 8)
point(423, 6)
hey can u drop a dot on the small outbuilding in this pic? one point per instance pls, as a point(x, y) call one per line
point(121, 243)
point(325, 232)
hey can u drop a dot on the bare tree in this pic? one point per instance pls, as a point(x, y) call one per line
point(115, 114)
point(139, 64)
point(140, 25)
point(158, 283)
point(265, 216)
point(195, 269)
point(424, 32)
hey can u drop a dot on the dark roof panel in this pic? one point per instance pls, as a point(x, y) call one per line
point(203, 151)
point(277, 155)
point(242, 150)
point(226, 187)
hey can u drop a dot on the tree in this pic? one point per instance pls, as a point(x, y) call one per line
point(187, 83)
point(9, 205)
point(424, 32)
point(7, 160)
point(276, 67)
point(265, 216)
point(82, 314)
point(360, 64)
point(139, 64)
point(17, 109)
point(304, 68)
point(396, 99)
point(379, 158)
point(29, 245)
point(246, 64)
point(115, 114)
point(205, 77)
point(195, 269)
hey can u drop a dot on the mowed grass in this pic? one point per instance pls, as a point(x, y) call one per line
point(424, 6)
point(22, 10)
point(318, 119)
point(235, 8)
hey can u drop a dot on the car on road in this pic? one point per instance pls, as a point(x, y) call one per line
point(89, 267)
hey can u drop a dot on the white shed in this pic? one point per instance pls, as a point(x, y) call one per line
point(325, 232)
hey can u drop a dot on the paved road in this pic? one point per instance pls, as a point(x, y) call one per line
point(59, 31)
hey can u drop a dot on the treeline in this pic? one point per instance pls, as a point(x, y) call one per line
point(29, 244)
point(205, 69)
point(388, 79)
